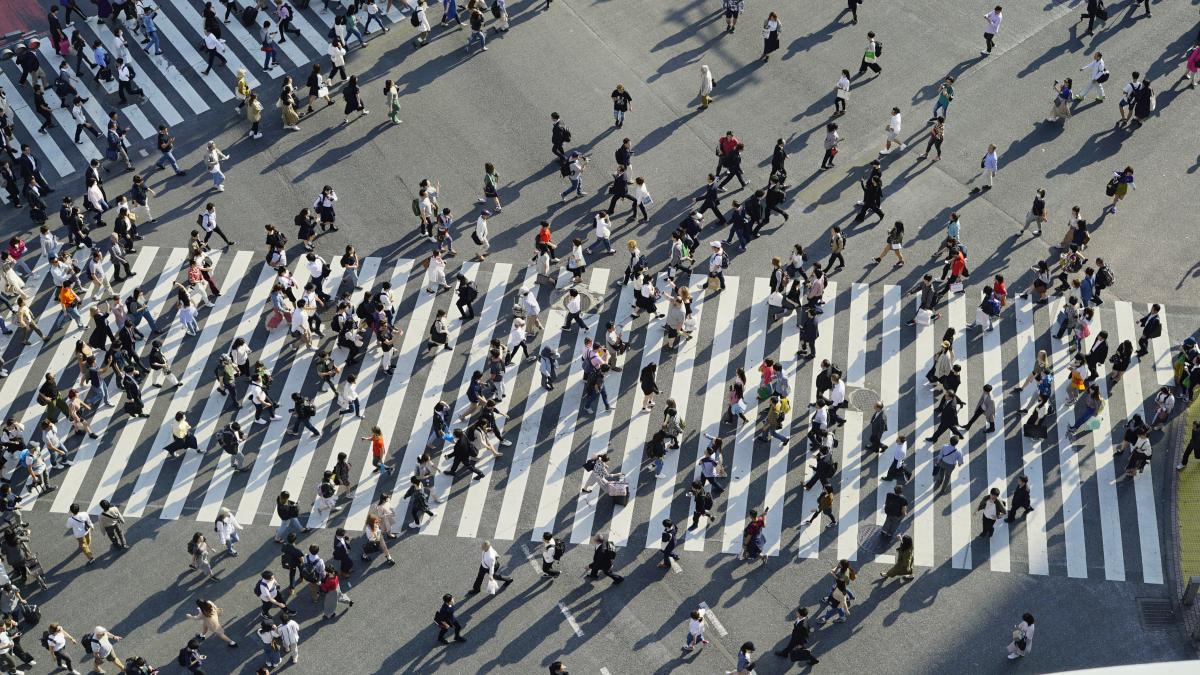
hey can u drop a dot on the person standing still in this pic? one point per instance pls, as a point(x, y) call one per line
point(622, 103)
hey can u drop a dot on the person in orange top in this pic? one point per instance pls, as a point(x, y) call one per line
point(67, 300)
point(545, 242)
point(378, 450)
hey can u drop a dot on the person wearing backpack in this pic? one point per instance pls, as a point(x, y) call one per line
point(191, 658)
point(230, 438)
point(559, 136)
point(289, 514)
point(602, 560)
point(871, 55)
point(312, 571)
point(1151, 326)
point(468, 292)
point(267, 592)
point(325, 502)
point(303, 410)
point(54, 639)
point(552, 552)
point(702, 503)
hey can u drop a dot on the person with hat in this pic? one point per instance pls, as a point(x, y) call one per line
point(717, 262)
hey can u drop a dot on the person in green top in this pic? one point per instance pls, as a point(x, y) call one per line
point(944, 97)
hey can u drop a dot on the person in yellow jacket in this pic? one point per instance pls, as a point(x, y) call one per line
point(242, 89)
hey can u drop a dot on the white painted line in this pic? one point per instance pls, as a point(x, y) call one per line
point(316, 39)
point(140, 124)
point(923, 499)
point(488, 321)
point(268, 354)
point(390, 412)
point(297, 477)
point(853, 455)
point(997, 465)
point(960, 485)
point(472, 511)
point(709, 616)
point(568, 416)
point(1035, 522)
point(715, 400)
point(738, 500)
point(810, 535)
point(585, 505)
point(44, 142)
point(534, 558)
point(1106, 489)
point(681, 382)
point(85, 452)
point(1068, 461)
point(571, 620)
point(63, 115)
point(777, 461)
point(525, 447)
point(1143, 483)
point(214, 403)
point(889, 394)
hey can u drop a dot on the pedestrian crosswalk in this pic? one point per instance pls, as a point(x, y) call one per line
point(1085, 523)
point(174, 84)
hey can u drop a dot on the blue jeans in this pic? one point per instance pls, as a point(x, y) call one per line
point(471, 40)
point(576, 186)
point(358, 34)
point(71, 312)
point(1085, 416)
point(167, 157)
point(269, 55)
point(591, 398)
point(144, 314)
point(944, 107)
point(601, 240)
point(21, 267)
point(619, 116)
point(97, 394)
point(152, 35)
point(658, 466)
point(377, 18)
point(285, 528)
point(273, 658)
point(217, 178)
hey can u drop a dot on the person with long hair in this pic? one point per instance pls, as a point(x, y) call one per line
point(209, 616)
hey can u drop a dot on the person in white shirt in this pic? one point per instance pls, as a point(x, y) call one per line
point(263, 405)
point(517, 338)
point(81, 528)
point(227, 527)
point(337, 59)
point(642, 197)
point(1126, 103)
point(56, 644)
point(897, 471)
point(991, 164)
point(487, 566)
point(1097, 73)
point(717, 262)
point(422, 25)
point(348, 396)
point(576, 264)
point(574, 306)
point(529, 303)
point(841, 94)
point(481, 234)
point(212, 159)
point(993, 19)
point(695, 634)
point(435, 274)
point(289, 634)
point(214, 48)
point(373, 14)
point(893, 133)
point(102, 649)
point(603, 231)
point(299, 326)
point(549, 555)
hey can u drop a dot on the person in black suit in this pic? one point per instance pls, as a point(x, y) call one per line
point(733, 163)
point(30, 172)
point(445, 620)
point(1097, 354)
point(620, 190)
point(878, 425)
point(624, 154)
point(797, 645)
point(712, 199)
point(464, 453)
point(1151, 327)
point(1020, 499)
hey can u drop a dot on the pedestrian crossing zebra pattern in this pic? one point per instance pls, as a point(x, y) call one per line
point(1085, 522)
point(174, 84)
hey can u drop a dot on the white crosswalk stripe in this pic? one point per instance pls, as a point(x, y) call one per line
point(532, 487)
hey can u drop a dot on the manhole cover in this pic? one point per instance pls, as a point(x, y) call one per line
point(1156, 613)
point(869, 540)
point(864, 399)
point(588, 299)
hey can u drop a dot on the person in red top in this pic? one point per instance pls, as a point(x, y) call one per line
point(725, 147)
point(332, 588)
point(545, 241)
point(378, 450)
point(958, 268)
point(753, 543)
point(999, 290)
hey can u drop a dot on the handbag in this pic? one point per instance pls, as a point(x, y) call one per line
point(647, 200)
point(475, 238)
point(924, 317)
point(956, 287)
point(833, 151)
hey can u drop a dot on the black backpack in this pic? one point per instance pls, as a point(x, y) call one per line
point(88, 642)
point(564, 167)
point(590, 464)
point(185, 657)
point(414, 20)
point(228, 441)
point(878, 49)
point(559, 549)
point(1104, 277)
point(326, 490)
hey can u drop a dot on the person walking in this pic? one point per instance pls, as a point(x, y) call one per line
point(903, 566)
point(948, 458)
point(209, 616)
point(895, 508)
point(893, 133)
point(489, 568)
point(733, 9)
point(770, 34)
point(832, 139)
point(1020, 499)
point(622, 104)
point(706, 87)
point(993, 508)
point(602, 560)
point(1022, 638)
point(552, 552)
point(354, 100)
point(1151, 325)
point(937, 133)
point(1097, 76)
point(1118, 186)
point(212, 159)
point(871, 55)
point(695, 632)
point(986, 408)
point(445, 620)
point(81, 526)
point(993, 19)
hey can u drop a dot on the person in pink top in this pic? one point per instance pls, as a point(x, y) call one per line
point(17, 247)
point(1193, 64)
